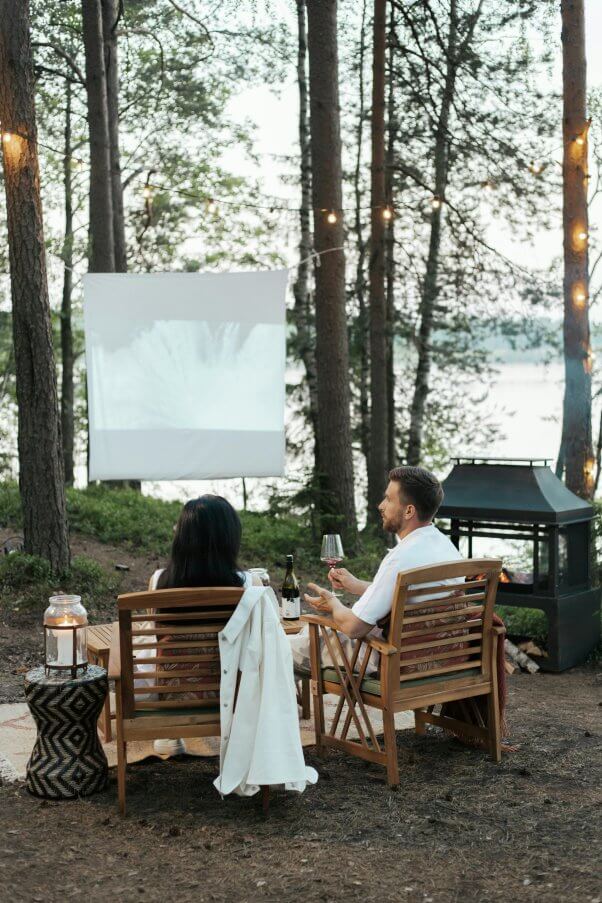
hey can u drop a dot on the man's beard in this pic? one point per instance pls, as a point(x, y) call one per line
point(392, 526)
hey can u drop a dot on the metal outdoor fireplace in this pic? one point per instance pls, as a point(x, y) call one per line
point(520, 511)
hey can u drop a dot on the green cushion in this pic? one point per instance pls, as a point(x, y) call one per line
point(372, 685)
point(191, 710)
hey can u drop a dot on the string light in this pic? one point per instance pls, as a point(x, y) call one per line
point(582, 235)
point(436, 202)
point(147, 193)
point(7, 137)
point(580, 140)
point(579, 297)
point(332, 218)
point(536, 167)
point(211, 206)
point(387, 214)
point(488, 185)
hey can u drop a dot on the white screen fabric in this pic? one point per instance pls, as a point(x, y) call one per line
point(185, 374)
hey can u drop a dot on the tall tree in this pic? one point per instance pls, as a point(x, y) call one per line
point(577, 408)
point(332, 352)
point(302, 311)
point(390, 241)
point(67, 353)
point(102, 244)
point(377, 458)
point(430, 286)
point(41, 479)
point(111, 13)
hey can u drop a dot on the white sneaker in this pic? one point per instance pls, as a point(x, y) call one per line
point(169, 747)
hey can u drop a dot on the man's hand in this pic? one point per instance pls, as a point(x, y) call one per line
point(340, 578)
point(323, 601)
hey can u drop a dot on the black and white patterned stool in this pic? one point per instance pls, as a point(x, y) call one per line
point(67, 760)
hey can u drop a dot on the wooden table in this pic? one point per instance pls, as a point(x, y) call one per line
point(104, 650)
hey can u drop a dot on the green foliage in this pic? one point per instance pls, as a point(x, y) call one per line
point(10, 505)
point(524, 622)
point(27, 583)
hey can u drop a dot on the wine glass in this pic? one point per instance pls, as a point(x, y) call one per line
point(332, 551)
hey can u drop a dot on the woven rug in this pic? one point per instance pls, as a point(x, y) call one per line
point(18, 733)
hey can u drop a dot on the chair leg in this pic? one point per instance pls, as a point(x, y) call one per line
point(391, 749)
point(265, 798)
point(420, 723)
point(105, 718)
point(316, 688)
point(305, 699)
point(493, 710)
point(121, 766)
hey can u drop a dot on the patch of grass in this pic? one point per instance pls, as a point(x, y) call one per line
point(26, 582)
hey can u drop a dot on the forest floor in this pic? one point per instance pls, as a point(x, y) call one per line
point(459, 828)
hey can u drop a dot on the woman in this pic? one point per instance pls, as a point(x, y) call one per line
point(204, 552)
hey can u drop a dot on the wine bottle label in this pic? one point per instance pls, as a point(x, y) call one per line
point(291, 608)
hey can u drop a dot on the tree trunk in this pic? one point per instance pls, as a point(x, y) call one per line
point(110, 18)
point(332, 352)
point(41, 479)
point(302, 313)
point(102, 246)
point(377, 459)
point(362, 324)
point(67, 357)
point(430, 288)
point(576, 421)
point(390, 247)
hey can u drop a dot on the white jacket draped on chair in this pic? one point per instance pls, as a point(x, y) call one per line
point(260, 736)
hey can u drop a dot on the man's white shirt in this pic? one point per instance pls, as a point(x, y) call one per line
point(423, 546)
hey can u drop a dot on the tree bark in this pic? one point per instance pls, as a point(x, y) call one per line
point(377, 459)
point(110, 18)
point(102, 245)
point(302, 313)
point(430, 287)
point(67, 356)
point(41, 479)
point(337, 502)
point(576, 421)
point(390, 246)
point(362, 324)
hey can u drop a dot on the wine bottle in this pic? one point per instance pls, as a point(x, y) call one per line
point(291, 599)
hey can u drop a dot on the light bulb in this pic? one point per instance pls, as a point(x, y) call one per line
point(387, 214)
point(580, 298)
point(148, 193)
point(7, 137)
point(580, 140)
point(435, 202)
point(331, 218)
point(582, 235)
point(211, 206)
point(536, 167)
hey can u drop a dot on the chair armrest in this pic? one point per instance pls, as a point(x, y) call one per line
point(372, 641)
point(499, 631)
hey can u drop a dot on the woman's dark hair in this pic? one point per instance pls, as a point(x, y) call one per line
point(205, 547)
point(421, 488)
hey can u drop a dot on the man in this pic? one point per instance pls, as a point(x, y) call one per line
point(412, 499)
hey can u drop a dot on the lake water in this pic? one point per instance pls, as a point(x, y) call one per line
point(527, 397)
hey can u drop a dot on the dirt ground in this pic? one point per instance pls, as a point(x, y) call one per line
point(459, 828)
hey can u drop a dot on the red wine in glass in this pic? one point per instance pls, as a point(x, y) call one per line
point(332, 551)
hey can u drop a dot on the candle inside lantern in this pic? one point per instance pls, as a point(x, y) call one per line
point(65, 623)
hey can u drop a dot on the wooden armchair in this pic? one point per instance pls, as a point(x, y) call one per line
point(432, 652)
point(178, 645)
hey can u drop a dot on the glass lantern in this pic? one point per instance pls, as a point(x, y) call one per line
point(65, 646)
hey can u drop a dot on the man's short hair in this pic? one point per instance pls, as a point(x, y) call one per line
point(420, 488)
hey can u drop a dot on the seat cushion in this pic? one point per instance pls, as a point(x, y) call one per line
point(372, 684)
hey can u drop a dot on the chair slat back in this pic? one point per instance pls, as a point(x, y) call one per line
point(169, 647)
point(442, 628)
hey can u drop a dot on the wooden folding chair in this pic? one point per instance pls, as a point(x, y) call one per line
point(181, 630)
point(432, 652)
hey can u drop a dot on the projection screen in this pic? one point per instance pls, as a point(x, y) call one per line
point(185, 374)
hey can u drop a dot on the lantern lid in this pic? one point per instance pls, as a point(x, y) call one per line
point(523, 490)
